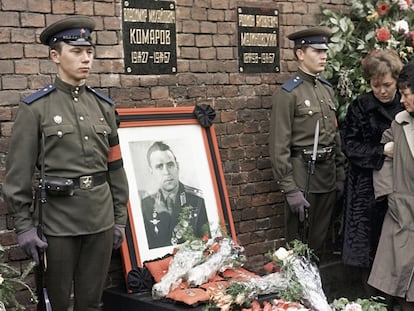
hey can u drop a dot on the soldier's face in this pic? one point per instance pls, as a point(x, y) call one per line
point(164, 168)
point(74, 62)
point(312, 60)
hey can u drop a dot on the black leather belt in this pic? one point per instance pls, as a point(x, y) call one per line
point(322, 154)
point(89, 181)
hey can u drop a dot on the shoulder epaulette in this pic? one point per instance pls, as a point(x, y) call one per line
point(101, 96)
point(293, 82)
point(39, 94)
point(324, 81)
point(193, 190)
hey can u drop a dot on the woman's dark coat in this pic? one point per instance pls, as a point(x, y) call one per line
point(366, 120)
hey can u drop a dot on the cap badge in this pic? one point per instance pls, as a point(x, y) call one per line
point(82, 33)
point(57, 119)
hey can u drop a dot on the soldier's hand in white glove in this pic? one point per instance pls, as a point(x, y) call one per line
point(30, 242)
point(119, 233)
point(297, 203)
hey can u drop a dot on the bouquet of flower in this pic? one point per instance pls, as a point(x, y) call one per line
point(372, 304)
point(297, 265)
point(368, 26)
point(196, 261)
point(221, 255)
point(245, 293)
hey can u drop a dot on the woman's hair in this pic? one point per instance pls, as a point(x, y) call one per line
point(381, 62)
point(406, 77)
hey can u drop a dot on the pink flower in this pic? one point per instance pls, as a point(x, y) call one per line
point(383, 34)
point(404, 4)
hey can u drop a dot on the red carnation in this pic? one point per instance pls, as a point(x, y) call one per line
point(383, 34)
point(383, 8)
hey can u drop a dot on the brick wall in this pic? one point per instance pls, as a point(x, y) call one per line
point(207, 73)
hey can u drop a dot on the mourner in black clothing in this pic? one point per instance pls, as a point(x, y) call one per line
point(367, 118)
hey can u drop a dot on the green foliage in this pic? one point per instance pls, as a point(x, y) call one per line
point(10, 280)
point(370, 25)
point(372, 304)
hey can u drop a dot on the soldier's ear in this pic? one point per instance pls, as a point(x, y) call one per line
point(54, 56)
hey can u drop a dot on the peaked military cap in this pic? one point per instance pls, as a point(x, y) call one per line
point(73, 30)
point(316, 37)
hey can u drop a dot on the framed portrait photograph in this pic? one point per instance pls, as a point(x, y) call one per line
point(175, 177)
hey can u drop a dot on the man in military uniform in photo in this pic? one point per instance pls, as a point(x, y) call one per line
point(175, 211)
point(69, 131)
point(303, 119)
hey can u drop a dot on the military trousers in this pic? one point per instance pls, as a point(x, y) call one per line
point(78, 262)
point(319, 218)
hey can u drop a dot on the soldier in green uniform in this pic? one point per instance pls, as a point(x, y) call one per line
point(176, 211)
point(302, 101)
point(84, 220)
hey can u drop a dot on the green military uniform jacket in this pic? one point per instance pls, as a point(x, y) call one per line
point(80, 139)
point(164, 227)
point(302, 101)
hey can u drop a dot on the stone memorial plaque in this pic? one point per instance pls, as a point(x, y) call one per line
point(149, 37)
point(258, 33)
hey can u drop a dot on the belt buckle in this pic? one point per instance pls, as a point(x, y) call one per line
point(85, 182)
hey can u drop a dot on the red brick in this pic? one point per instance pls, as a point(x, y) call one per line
point(32, 20)
point(9, 19)
point(42, 6)
point(11, 51)
point(13, 5)
point(182, 13)
point(191, 26)
point(36, 50)
point(63, 7)
point(203, 40)
point(9, 97)
point(112, 23)
point(158, 92)
point(4, 35)
point(185, 39)
point(104, 9)
point(208, 27)
point(197, 66)
point(208, 53)
point(27, 66)
point(198, 13)
point(215, 15)
point(13, 82)
point(225, 53)
point(84, 7)
point(106, 38)
point(6, 66)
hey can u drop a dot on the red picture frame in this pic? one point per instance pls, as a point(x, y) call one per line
point(192, 129)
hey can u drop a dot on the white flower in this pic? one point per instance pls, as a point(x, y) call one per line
point(401, 26)
point(281, 254)
point(353, 307)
